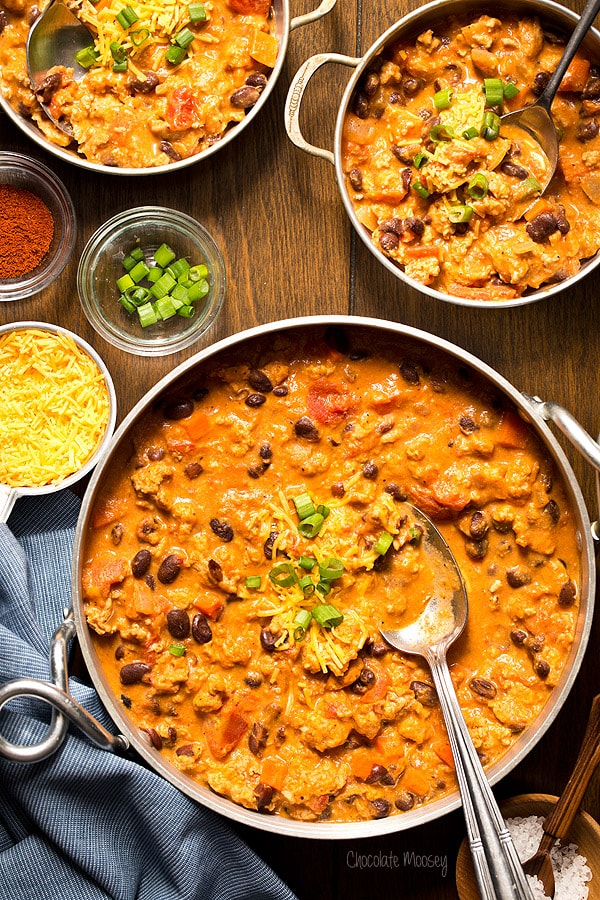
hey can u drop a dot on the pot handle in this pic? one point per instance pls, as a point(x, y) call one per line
point(65, 708)
point(566, 422)
point(296, 92)
point(324, 7)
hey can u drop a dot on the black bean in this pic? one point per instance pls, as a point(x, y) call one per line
point(395, 490)
point(264, 794)
point(222, 529)
point(155, 738)
point(381, 808)
point(120, 652)
point(181, 408)
point(214, 570)
point(376, 774)
point(141, 563)
point(518, 577)
point(587, 131)
point(479, 525)
point(394, 225)
point(268, 544)
point(265, 451)
point(48, 86)
point(370, 470)
point(150, 581)
point(169, 150)
point(253, 680)
point(467, 425)
point(257, 739)
point(259, 381)
point(477, 549)
point(540, 82)
point(541, 227)
point(169, 569)
point(144, 85)
point(409, 372)
point(536, 642)
point(591, 90)
point(245, 97)
point(255, 400)
point(553, 510)
point(126, 701)
point(567, 595)
point(389, 242)
point(404, 153)
point(483, 687)
point(280, 390)
point(155, 454)
point(201, 630)
point(267, 640)
point(355, 178)
point(518, 637)
point(258, 469)
point(178, 623)
point(185, 750)
point(193, 470)
point(425, 693)
point(509, 167)
point(361, 106)
point(405, 801)
point(367, 676)
point(306, 429)
point(417, 226)
point(134, 672)
point(338, 490)
point(116, 534)
point(541, 668)
point(563, 224)
point(257, 80)
point(371, 84)
point(410, 86)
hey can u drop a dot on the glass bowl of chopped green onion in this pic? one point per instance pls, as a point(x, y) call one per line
point(151, 280)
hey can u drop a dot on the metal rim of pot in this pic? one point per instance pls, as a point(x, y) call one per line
point(533, 409)
point(410, 25)
point(284, 25)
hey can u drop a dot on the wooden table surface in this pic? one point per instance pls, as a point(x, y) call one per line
point(290, 250)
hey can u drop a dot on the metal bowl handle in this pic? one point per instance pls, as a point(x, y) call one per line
point(296, 92)
point(570, 427)
point(65, 708)
point(324, 7)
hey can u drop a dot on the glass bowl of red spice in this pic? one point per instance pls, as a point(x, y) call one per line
point(37, 226)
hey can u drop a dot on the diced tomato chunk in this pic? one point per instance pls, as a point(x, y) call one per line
point(251, 7)
point(329, 402)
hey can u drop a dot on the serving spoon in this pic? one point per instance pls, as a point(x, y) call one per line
point(557, 823)
point(54, 40)
point(537, 119)
point(500, 875)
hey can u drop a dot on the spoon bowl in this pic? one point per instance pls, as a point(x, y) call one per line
point(536, 120)
point(54, 40)
point(499, 872)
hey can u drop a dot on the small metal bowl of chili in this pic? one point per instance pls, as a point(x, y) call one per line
point(151, 280)
point(37, 226)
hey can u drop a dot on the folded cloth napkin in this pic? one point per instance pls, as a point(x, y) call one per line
point(86, 823)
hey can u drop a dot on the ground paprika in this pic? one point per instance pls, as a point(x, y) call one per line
point(26, 231)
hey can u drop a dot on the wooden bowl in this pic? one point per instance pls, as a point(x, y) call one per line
point(585, 832)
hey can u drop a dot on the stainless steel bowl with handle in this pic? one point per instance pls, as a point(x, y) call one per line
point(375, 331)
point(554, 18)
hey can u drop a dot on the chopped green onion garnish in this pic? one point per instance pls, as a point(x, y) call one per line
point(126, 303)
point(186, 312)
point(307, 562)
point(139, 271)
point(147, 315)
point(164, 284)
point(490, 128)
point(125, 282)
point(127, 17)
point(197, 12)
point(414, 534)
point(304, 506)
point(184, 38)
point(87, 57)
point(197, 290)
point(458, 214)
point(301, 622)
point(493, 90)
point(311, 526)
point(477, 188)
point(383, 543)
point(323, 510)
point(470, 133)
point(306, 585)
point(139, 37)
point(175, 54)
point(283, 575)
point(510, 90)
point(419, 160)
point(327, 616)
point(154, 274)
point(177, 650)
point(164, 255)
point(138, 295)
point(323, 587)
point(440, 133)
point(178, 268)
point(420, 189)
point(253, 582)
point(331, 569)
point(118, 52)
point(165, 308)
point(529, 187)
point(197, 273)
point(442, 99)
point(120, 66)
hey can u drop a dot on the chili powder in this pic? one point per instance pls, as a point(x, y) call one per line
point(26, 231)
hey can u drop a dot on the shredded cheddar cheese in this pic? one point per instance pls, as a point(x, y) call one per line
point(54, 407)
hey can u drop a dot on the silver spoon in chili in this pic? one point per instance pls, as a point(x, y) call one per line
point(500, 875)
point(54, 41)
point(536, 119)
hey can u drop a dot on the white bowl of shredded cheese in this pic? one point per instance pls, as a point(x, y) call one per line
point(57, 410)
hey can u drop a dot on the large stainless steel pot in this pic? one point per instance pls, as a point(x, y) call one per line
point(534, 410)
point(552, 15)
point(283, 26)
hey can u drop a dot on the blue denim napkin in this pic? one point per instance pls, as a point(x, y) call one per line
point(86, 823)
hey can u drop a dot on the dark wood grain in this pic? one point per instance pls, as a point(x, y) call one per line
point(289, 250)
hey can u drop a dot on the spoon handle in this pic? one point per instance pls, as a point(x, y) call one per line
point(586, 19)
point(558, 823)
point(499, 872)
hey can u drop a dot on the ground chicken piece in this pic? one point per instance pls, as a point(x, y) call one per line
point(482, 32)
point(424, 270)
point(211, 695)
point(169, 672)
point(148, 479)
